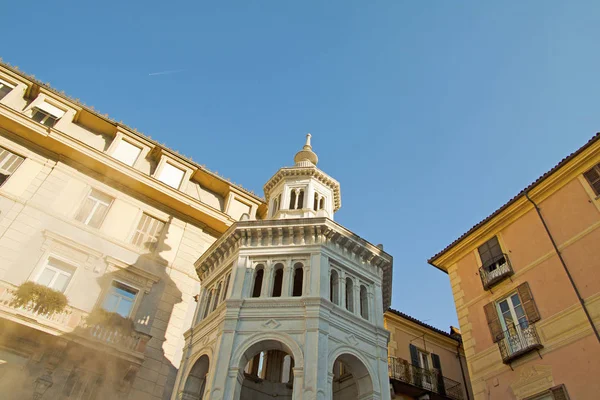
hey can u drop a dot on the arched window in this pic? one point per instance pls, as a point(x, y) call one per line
point(298, 278)
point(217, 296)
point(316, 202)
point(278, 280)
point(275, 206)
point(322, 203)
point(292, 199)
point(349, 295)
point(207, 304)
point(364, 302)
point(258, 280)
point(334, 287)
point(300, 199)
point(226, 286)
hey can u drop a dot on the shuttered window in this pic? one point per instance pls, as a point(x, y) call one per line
point(490, 252)
point(94, 209)
point(147, 232)
point(437, 365)
point(9, 162)
point(556, 393)
point(521, 302)
point(593, 177)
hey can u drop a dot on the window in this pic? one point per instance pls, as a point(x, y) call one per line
point(292, 199)
point(226, 285)
point(44, 118)
point(298, 280)
point(276, 204)
point(120, 299)
point(207, 304)
point(593, 178)
point(334, 287)
point(296, 199)
point(126, 152)
point(5, 88)
point(258, 279)
point(148, 232)
point(491, 254)
point(278, 280)
point(9, 162)
point(316, 202)
point(171, 175)
point(556, 393)
point(56, 275)
point(94, 209)
point(217, 294)
point(349, 295)
point(364, 302)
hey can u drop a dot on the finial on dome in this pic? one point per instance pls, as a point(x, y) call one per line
point(306, 157)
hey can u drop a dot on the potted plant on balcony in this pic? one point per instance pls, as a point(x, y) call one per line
point(110, 320)
point(38, 299)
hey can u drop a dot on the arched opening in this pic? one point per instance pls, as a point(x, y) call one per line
point(268, 371)
point(226, 286)
point(277, 280)
point(300, 200)
point(217, 297)
point(196, 380)
point(275, 206)
point(316, 202)
point(351, 379)
point(322, 203)
point(334, 280)
point(298, 280)
point(258, 280)
point(349, 295)
point(207, 304)
point(364, 305)
point(292, 199)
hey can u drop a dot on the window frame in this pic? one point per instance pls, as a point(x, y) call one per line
point(3, 84)
point(107, 292)
point(164, 167)
point(517, 321)
point(130, 143)
point(46, 265)
point(92, 212)
point(47, 116)
point(595, 185)
point(143, 245)
point(2, 162)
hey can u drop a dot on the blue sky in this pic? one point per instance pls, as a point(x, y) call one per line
point(430, 114)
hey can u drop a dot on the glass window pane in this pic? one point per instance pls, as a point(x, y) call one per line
point(104, 198)
point(98, 216)
point(38, 116)
point(110, 302)
point(124, 307)
point(46, 277)
point(515, 300)
point(504, 306)
point(124, 290)
point(85, 210)
point(60, 283)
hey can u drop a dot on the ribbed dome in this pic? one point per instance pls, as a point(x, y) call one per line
point(306, 157)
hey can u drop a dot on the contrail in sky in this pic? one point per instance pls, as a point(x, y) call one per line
point(173, 71)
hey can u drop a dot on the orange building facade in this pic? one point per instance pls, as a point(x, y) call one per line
point(526, 285)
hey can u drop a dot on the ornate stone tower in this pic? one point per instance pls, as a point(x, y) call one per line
point(291, 305)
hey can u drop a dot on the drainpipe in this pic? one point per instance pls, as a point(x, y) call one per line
point(562, 261)
point(462, 371)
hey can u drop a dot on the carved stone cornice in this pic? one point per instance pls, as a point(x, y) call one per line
point(298, 232)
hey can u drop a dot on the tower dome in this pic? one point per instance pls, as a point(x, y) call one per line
point(306, 157)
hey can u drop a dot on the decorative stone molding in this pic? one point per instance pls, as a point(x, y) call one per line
point(72, 250)
point(533, 380)
point(132, 273)
point(271, 324)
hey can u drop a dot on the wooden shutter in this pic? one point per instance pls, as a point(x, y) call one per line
point(414, 356)
point(435, 360)
point(593, 177)
point(560, 393)
point(491, 314)
point(489, 251)
point(528, 303)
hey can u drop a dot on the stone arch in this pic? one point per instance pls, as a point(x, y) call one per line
point(195, 382)
point(366, 380)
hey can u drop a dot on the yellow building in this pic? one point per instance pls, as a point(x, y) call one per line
point(425, 361)
point(527, 289)
point(113, 221)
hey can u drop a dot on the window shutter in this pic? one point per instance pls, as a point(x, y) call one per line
point(529, 305)
point(560, 393)
point(491, 314)
point(414, 355)
point(489, 251)
point(593, 177)
point(435, 360)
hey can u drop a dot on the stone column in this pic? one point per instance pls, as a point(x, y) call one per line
point(357, 297)
point(287, 279)
point(342, 289)
point(316, 351)
point(265, 290)
point(306, 279)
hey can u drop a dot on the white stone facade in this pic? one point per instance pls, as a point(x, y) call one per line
point(296, 285)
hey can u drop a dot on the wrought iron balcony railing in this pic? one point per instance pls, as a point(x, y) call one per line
point(496, 270)
point(518, 341)
point(426, 379)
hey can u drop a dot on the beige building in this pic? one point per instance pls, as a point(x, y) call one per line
point(527, 289)
point(425, 362)
point(112, 222)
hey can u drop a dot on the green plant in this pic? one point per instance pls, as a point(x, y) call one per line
point(39, 298)
point(110, 319)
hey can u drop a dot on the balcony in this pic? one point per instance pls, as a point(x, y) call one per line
point(71, 324)
point(415, 381)
point(498, 269)
point(519, 341)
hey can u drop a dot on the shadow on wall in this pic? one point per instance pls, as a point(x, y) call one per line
point(107, 354)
